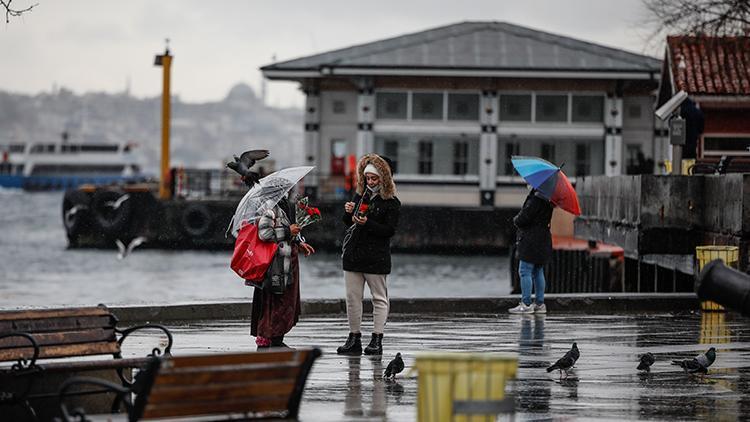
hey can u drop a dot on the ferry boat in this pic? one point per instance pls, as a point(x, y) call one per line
point(63, 165)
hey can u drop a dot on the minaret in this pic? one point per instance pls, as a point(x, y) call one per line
point(264, 84)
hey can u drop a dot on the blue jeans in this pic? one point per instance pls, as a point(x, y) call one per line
point(531, 274)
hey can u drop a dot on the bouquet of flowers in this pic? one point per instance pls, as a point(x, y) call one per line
point(306, 214)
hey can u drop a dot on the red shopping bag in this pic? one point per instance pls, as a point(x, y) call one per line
point(252, 256)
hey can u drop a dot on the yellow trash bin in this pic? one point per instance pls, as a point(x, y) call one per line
point(705, 254)
point(687, 165)
point(463, 387)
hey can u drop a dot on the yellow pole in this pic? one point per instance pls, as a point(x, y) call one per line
point(165, 61)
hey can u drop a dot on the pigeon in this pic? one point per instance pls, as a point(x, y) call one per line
point(647, 360)
point(116, 204)
point(243, 163)
point(567, 361)
point(394, 367)
point(698, 364)
point(125, 251)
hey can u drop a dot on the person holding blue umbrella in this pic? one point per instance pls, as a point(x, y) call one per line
point(549, 187)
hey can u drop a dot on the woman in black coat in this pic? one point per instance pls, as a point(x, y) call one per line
point(534, 248)
point(372, 217)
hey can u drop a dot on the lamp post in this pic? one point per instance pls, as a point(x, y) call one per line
point(165, 61)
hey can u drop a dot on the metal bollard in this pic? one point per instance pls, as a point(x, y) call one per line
point(727, 286)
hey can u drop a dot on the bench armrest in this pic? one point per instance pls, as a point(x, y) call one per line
point(155, 351)
point(78, 413)
point(22, 362)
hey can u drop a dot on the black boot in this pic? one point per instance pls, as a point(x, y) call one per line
point(353, 345)
point(279, 342)
point(376, 345)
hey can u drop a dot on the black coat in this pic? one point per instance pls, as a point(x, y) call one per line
point(533, 238)
point(371, 242)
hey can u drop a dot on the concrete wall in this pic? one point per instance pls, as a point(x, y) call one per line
point(666, 214)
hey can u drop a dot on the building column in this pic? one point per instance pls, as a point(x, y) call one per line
point(489, 111)
point(613, 138)
point(312, 141)
point(365, 143)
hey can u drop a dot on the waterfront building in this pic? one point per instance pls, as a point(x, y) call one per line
point(450, 106)
point(715, 72)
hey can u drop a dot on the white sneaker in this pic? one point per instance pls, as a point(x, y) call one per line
point(522, 309)
point(540, 309)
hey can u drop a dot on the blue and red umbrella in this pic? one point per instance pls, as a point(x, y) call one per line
point(549, 181)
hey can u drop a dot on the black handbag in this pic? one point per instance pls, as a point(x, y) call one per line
point(275, 280)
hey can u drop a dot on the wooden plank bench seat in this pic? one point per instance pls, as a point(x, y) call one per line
point(37, 346)
point(253, 385)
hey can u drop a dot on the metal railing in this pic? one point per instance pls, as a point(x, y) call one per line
point(206, 184)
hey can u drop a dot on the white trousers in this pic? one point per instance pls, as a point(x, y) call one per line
point(355, 288)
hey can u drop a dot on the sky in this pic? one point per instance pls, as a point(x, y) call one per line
point(108, 45)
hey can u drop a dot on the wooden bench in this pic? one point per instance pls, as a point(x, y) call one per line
point(267, 384)
point(50, 345)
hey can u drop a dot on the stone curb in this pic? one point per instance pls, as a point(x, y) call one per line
point(597, 303)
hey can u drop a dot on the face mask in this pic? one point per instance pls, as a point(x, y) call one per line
point(374, 189)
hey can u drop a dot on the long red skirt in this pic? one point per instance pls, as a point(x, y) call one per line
point(275, 315)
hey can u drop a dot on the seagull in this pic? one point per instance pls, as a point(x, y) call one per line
point(698, 364)
point(647, 360)
point(567, 361)
point(243, 163)
point(394, 367)
point(116, 204)
point(125, 251)
point(71, 213)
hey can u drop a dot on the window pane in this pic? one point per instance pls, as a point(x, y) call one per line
point(551, 108)
point(511, 149)
point(582, 159)
point(425, 157)
point(460, 157)
point(634, 111)
point(463, 107)
point(515, 108)
point(588, 108)
point(727, 144)
point(427, 106)
point(339, 107)
point(548, 152)
point(390, 147)
point(391, 105)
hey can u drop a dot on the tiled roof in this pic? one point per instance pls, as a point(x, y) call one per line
point(709, 65)
point(478, 45)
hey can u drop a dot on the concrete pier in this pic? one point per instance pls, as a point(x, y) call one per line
point(587, 303)
point(603, 385)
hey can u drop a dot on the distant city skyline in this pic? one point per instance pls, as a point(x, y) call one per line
point(95, 46)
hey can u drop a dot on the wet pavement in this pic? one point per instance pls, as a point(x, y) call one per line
point(603, 385)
